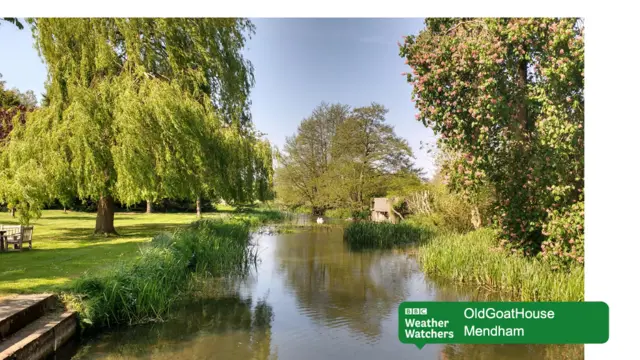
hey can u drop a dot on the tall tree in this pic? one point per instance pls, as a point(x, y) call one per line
point(306, 157)
point(508, 95)
point(341, 158)
point(14, 106)
point(137, 107)
point(366, 151)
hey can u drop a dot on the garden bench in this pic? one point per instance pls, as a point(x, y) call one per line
point(17, 235)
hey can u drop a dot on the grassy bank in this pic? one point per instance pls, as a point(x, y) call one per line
point(368, 235)
point(64, 246)
point(145, 288)
point(473, 259)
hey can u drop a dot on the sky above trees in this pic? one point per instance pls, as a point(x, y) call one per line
point(298, 64)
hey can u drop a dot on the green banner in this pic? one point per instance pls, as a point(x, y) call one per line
point(422, 323)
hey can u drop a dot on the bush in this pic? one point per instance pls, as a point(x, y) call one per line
point(448, 211)
point(361, 214)
point(564, 230)
point(339, 213)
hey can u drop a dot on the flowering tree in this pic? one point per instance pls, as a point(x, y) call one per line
point(507, 94)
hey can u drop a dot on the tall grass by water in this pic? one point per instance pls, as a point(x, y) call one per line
point(369, 235)
point(476, 260)
point(145, 288)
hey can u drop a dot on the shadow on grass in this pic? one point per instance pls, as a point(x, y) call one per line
point(88, 217)
point(126, 231)
point(49, 270)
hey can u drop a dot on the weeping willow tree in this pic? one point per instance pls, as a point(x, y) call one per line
point(138, 109)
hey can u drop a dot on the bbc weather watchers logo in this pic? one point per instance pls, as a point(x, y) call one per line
point(415, 311)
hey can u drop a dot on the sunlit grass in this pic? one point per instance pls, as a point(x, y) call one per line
point(64, 246)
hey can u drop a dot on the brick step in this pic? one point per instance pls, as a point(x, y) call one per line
point(19, 311)
point(41, 337)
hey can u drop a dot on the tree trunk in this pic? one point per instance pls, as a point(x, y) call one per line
point(523, 116)
point(148, 206)
point(476, 220)
point(104, 220)
point(13, 212)
point(64, 209)
point(198, 208)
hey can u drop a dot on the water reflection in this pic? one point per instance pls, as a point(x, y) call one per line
point(229, 327)
point(510, 352)
point(319, 301)
point(336, 287)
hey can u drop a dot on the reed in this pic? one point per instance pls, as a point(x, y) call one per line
point(369, 235)
point(145, 289)
point(475, 259)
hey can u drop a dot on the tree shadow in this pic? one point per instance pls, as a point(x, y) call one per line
point(125, 231)
point(89, 217)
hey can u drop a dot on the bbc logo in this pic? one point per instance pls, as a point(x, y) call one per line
point(415, 311)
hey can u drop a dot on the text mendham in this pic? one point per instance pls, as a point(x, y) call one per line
point(494, 331)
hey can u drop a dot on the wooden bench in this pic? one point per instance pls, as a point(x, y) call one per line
point(17, 235)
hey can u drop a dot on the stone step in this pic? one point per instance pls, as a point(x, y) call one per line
point(41, 338)
point(18, 311)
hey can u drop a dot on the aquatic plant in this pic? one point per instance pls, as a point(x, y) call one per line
point(362, 235)
point(476, 259)
point(144, 289)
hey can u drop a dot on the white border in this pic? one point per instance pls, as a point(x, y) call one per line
point(280, 8)
point(612, 126)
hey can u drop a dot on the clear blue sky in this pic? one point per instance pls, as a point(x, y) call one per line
point(298, 64)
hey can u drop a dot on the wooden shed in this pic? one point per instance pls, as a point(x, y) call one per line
point(382, 210)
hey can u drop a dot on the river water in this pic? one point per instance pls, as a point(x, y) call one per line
point(310, 297)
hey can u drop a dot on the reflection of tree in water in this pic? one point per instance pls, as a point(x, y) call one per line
point(335, 286)
point(510, 352)
point(224, 328)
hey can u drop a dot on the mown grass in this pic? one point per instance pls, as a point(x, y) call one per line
point(64, 246)
point(476, 260)
point(145, 288)
point(369, 235)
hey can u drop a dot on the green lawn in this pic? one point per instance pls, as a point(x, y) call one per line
point(64, 247)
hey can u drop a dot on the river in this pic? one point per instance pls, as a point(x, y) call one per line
point(310, 297)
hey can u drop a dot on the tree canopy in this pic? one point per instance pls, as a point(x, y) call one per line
point(137, 108)
point(507, 96)
point(341, 157)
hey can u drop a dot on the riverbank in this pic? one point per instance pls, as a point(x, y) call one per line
point(145, 289)
point(474, 259)
point(64, 246)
